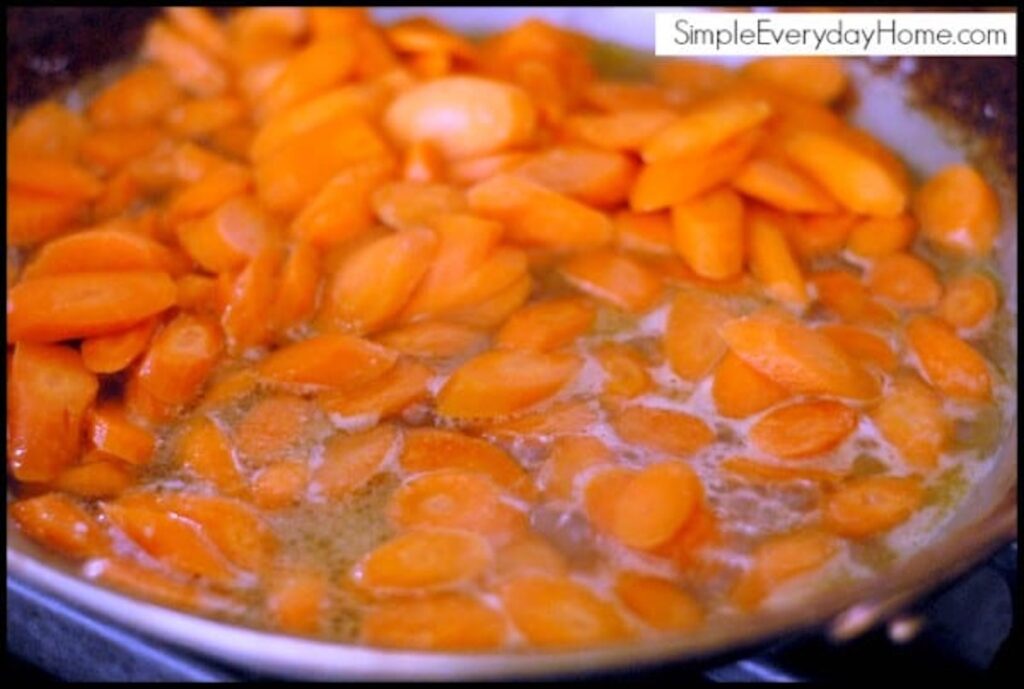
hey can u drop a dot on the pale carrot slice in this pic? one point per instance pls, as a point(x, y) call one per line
point(877, 237)
point(873, 504)
point(862, 344)
point(819, 79)
point(64, 307)
point(115, 352)
point(740, 390)
point(433, 339)
point(659, 602)
point(912, 419)
point(615, 96)
point(958, 211)
point(529, 554)
point(655, 504)
point(772, 261)
point(298, 600)
point(557, 612)
point(469, 171)
point(405, 384)
point(98, 476)
point(692, 342)
point(59, 523)
point(113, 433)
point(614, 278)
point(351, 461)
point(598, 178)
point(49, 391)
point(443, 622)
point(279, 485)
point(796, 357)
point(705, 126)
point(780, 559)
point(969, 301)
point(709, 235)
point(204, 451)
point(947, 362)
point(906, 281)
point(328, 360)
point(463, 116)
point(497, 383)
point(763, 472)
point(803, 429)
point(546, 325)
point(662, 430)
point(204, 195)
point(625, 370)
point(275, 427)
point(424, 559)
point(180, 359)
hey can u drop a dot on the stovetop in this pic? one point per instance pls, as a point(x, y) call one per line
point(968, 630)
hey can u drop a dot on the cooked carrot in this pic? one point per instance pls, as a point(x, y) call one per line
point(764, 472)
point(326, 22)
point(655, 504)
point(342, 208)
point(51, 176)
point(49, 392)
point(203, 196)
point(468, 171)
point(424, 559)
point(598, 178)
point(298, 600)
point(99, 250)
point(841, 291)
point(405, 384)
point(111, 432)
point(203, 450)
point(947, 362)
point(691, 77)
point(625, 370)
point(328, 360)
point(819, 79)
point(140, 97)
point(557, 612)
point(413, 205)
point(570, 457)
point(649, 233)
point(772, 180)
point(228, 237)
point(692, 343)
point(120, 148)
point(905, 280)
point(433, 339)
point(47, 129)
point(497, 383)
point(201, 27)
point(479, 117)
point(423, 163)
point(534, 214)
point(797, 358)
point(873, 504)
point(443, 622)
point(779, 559)
point(180, 359)
point(803, 429)
point(911, 418)
point(613, 96)
point(529, 554)
point(659, 602)
point(572, 417)
point(958, 211)
point(969, 301)
point(279, 485)
point(419, 35)
point(187, 64)
point(662, 430)
point(33, 217)
point(98, 476)
point(614, 278)
point(771, 259)
point(115, 352)
point(351, 461)
point(494, 310)
point(862, 344)
point(275, 427)
point(58, 522)
point(310, 72)
point(708, 233)
point(740, 390)
point(546, 325)
point(706, 126)
point(250, 300)
point(151, 584)
point(815, 236)
point(234, 384)
point(877, 237)
point(627, 130)
point(299, 285)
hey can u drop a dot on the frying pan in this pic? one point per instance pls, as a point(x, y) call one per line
point(958, 105)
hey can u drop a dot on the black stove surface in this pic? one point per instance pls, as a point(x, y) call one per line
point(969, 632)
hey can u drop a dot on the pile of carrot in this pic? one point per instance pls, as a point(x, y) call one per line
point(280, 217)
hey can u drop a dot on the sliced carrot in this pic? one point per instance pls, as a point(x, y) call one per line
point(444, 622)
point(873, 504)
point(141, 96)
point(405, 384)
point(342, 208)
point(204, 451)
point(299, 285)
point(708, 233)
point(115, 352)
point(796, 357)
point(59, 523)
point(626, 130)
point(111, 432)
point(692, 343)
point(234, 384)
point(772, 261)
point(251, 298)
point(819, 79)
point(419, 35)
point(120, 148)
point(413, 205)
point(536, 215)
point(947, 362)
point(494, 310)
point(659, 602)
point(662, 430)
point(52, 176)
point(424, 559)
point(468, 171)
point(905, 280)
point(739, 390)
point(958, 211)
point(99, 250)
point(201, 27)
point(706, 126)
point(803, 429)
point(203, 116)
point(815, 236)
point(969, 301)
point(572, 417)
point(841, 292)
point(275, 427)
point(329, 360)
point(33, 217)
point(228, 237)
point(614, 278)
point(153, 585)
point(877, 237)
point(862, 344)
point(463, 116)
point(433, 339)
point(423, 163)
point(434, 449)
point(310, 72)
point(48, 394)
point(614, 96)
point(222, 183)
point(180, 359)
point(625, 370)
point(655, 504)
point(279, 485)
point(649, 233)
point(529, 554)
point(780, 559)
point(98, 476)
point(774, 181)
point(911, 418)
point(351, 461)
point(557, 612)
point(691, 77)
point(763, 472)
point(571, 456)
point(497, 383)
point(336, 21)
point(598, 178)
point(298, 601)
point(187, 64)
point(546, 325)
point(47, 129)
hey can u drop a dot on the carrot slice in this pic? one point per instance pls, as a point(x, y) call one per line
point(692, 343)
point(557, 612)
point(529, 554)
point(279, 485)
point(649, 233)
point(815, 236)
point(423, 163)
point(351, 461)
point(122, 149)
point(414, 205)
point(128, 575)
point(779, 559)
point(204, 451)
point(627, 130)
point(180, 359)
point(187, 64)
point(298, 601)
point(115, 352)
point(662, 430)
point(405, 384)
point(598, 178)
point(772, 261)
point(772, 180)
point(655, 504)
point(201, 27)
point(228, 237)
point(762, 472)
point(819, 79)
point(49, 391)
point(493, 311)
point(659, 602)
point(139, 97)
point(841, 291)
point(59, 523)
point(570, 457)
point(873, 504)
point(310, 72)
point(958, 211)
point(443, 622)
point(969, 301)
point(47, 129)
point(877, 237)
point(625, 370)
point(614, 278)
point(502, 382)
point(740, 390)
point(546, 325)
point(51, 176)
point(100, 250)
point(275, 426)
point(469, 171)
point(803, 429)
point(329, 360)
point(433, 339)
point(63, 307)
point(911, 418)
point(424, 559)
point(862, 344)
point(947, 362)
point(342, 208)
point(906, 281)
point(34, 217)
point(98, 476)
point(110, 431)
point(708, 233)
point(572, 417)
point(706, 126)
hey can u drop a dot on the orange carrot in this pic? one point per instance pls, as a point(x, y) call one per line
point(740, 390)
point(111, 432)
point(662, 430)
point(803, 429)
point(405, 384)
point(180, 358)
point(772, 261)
point(958, 211)
point(969, 301)
point(911, 418)
point(546, 326)
point(443, 622)
point(905, 281)
point(58, 522)
point(329, 360)
point(140, 97)
point(557, 612)
point(598, 178)
point(947, 362)
point(873, 504)
point(614, 278)
point(115, 352)
point(351, 461)
point(203, 450)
